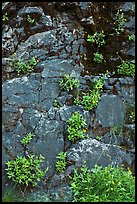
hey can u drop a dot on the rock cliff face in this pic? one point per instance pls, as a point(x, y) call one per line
point(58, 39)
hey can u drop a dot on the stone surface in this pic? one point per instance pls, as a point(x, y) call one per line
point(110, 111)
point(94, 152)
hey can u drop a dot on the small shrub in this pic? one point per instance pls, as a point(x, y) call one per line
point(119, 21)
point(90, 100)
point(68, 83)
point(108, 184)
point(23, 66)
point(97, 38)
point(126, 68)
point(98, 57)
point(75, 128)
point(61, 163)
point(25, 170)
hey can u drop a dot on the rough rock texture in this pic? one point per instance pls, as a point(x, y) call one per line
point(58, 41)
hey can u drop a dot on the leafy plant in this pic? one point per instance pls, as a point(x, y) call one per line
point(98, 137)
point(126, 68)
point(56, 104)
point(75, 127)
point(131, 37)
point(30, 20)
point(61, 163)
point(90, 100)
point(97, 38)
point(5, 18)
point(119, 21)
point(98, 57)
point(68, 83)
point(103, 184)
point(25, 170)
point(24, 67)
point(25, 141)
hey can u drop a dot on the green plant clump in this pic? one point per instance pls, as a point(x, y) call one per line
point(75, 128)
point(25, 141)
point(61, 163)
point(97, 38)
point(126, 68)
point(24, 67)
point(108, 184)
point(131, 37)
point(25, 170)
point(68, 83)
point(119, 21)
point(98, 57)
point(90, 100)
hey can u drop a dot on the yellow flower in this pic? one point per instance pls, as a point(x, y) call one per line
point(84, 130)
point(111, 189)
point(84, 161)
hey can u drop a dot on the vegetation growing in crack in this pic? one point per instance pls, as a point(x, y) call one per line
point(90, 100)
point(62, 161)
point(25, 170)
point(126, 68)
point(5, 18)
point(97, 38)
point(119, 21)
point(76, 127)
point(30, 20)
point(131, 37)
point(23, 67)
point(68, 83)
point(98, 57)
point(103, 184)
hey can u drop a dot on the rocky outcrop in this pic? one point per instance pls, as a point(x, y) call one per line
point(58, 41)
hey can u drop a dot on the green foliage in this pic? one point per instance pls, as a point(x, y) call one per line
point(90, 100)
point(98, 57)
point(30, 20)
point(97, 38)
point(68, 83)
point(61, 163)
point(25, 141)
point(126, 68)
point(75, 127)
point(98, 137)
point(119, 21)
point(25, 170)
point(131, 37)
point(108, 184)
point(56, 104)
point(23, 66)
point(5, 18)
point(132, 116)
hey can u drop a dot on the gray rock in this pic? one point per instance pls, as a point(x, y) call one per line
point(127, 93)
point(131, 52)
point(95, 152)
point(49, 141)
point(61, 194)
point(110, 111)
point(130, 24)
point(59, 67)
